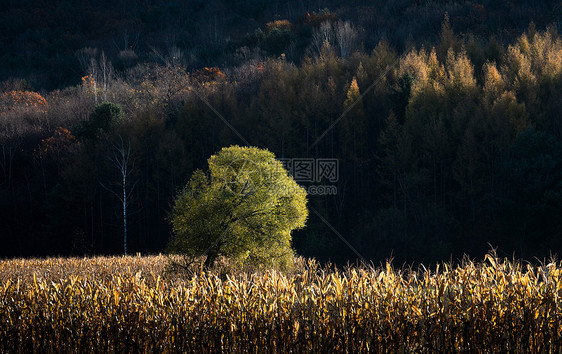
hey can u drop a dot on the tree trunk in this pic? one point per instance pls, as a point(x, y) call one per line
point(124, 175)
point(211, 258)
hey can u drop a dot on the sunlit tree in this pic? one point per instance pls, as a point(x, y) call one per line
point(245, 209)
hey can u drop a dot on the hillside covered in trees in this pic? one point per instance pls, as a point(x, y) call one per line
point(444, 117)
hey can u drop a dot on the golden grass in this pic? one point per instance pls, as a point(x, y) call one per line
point(131, 304)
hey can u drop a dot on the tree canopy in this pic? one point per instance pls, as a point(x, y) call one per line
point(102, 120)
point(245, 208)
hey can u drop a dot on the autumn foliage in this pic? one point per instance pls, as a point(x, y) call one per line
point(61, 140)
point(279, 24)
point(207, 75)
point(21, 99)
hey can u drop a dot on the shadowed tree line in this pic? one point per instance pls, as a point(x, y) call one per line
point(457, 145)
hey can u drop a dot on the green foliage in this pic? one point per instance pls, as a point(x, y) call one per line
point(102, 121)
point(245, 209)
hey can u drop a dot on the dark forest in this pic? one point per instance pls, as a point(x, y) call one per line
point(444, 117)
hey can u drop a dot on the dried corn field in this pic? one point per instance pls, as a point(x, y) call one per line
point(131, 304)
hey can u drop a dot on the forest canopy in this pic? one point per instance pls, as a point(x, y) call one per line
point(447, 140)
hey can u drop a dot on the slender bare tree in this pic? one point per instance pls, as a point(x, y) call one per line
point(100, 70)
point(346, 38)
point(342, 36)
point(106, 75)
point(125, 165)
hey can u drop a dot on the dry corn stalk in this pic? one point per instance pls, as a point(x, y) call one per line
point(130, 304)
